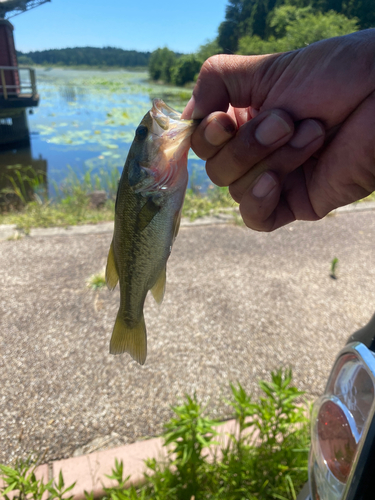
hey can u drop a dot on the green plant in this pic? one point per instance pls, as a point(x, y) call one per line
point(334, 264)
point(22, 480)
point(97, 281)
point(25, 183)
point(57, 489)
point(188, 434)
point(120, 491)
point(265, 458)
point(215, 200)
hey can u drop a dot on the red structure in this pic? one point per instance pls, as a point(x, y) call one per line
point(8, 57)
point(17, 84)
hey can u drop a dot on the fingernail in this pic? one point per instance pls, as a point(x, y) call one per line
point(272, 129)
point(195, 112)
point(216, 133)
point(188, 112)
point(307, 132)
point(264, 185)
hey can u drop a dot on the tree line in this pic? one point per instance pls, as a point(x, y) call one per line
point(253, 27)
point(88, 56)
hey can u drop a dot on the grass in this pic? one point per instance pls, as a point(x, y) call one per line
point(96, 281)
point(215, 200)
point(264, 459)
point(334, 264)
point(26, 205)
point(371, 197)
point(29, 206)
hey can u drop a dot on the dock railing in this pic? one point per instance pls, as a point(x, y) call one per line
point(22, 86)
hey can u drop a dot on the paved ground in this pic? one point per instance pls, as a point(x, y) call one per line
point(238, 304)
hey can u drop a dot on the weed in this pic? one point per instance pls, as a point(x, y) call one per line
point(15, 236)
point(265, 458)
point(334, 264)
point(96, 281)
point(22, 480)
point(71, 205)
point(370, 197)
point(216, 200)
point(188, 434)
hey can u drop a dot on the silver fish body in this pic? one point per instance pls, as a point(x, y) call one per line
point(147, 215)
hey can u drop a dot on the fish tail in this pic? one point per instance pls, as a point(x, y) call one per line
point(130, 340)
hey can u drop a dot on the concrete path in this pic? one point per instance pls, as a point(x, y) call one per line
point(238, 304)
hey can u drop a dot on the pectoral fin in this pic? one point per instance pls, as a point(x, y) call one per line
point(159, 288)
point(131, 340)
point(147, 213)
point(111, 274)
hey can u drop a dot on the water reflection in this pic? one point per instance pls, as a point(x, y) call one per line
point(21, 177)
point(70, 93)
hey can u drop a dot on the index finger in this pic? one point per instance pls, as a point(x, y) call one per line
point(227, 79)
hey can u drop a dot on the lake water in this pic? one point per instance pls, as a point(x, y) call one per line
point(86, 121)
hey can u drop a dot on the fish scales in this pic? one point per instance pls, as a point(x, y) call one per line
point(147, 215)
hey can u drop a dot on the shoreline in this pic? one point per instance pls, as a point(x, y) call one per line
point(12, 232)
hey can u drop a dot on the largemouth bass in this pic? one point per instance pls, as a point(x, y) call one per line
point(147, 217)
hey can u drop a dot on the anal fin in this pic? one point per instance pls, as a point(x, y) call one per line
point(111, 274)
point(159, 288)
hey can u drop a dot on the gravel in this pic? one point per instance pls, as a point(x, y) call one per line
point(238, 304)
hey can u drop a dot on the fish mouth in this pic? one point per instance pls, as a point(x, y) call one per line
point(161, 110)
point(166, 121)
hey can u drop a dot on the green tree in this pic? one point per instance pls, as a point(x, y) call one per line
point(88, 56)
point(244, 17)
point(161, 63)
point(313, 27)
point(284, 16)
point(185, 69)
point(228, 29)
point(253, 18)
point(299, 27)
point(363, 10)
point(210, 48)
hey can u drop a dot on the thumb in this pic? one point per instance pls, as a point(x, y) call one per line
point(227, 79)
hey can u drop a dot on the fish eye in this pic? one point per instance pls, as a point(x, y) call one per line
point(141, 132)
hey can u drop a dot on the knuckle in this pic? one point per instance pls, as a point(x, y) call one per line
point(255, 221)
point(236, 192)
point(215, 175)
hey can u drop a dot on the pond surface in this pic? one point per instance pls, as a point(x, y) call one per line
point(86, 120)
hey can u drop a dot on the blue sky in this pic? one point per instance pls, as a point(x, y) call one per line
point(142, 25)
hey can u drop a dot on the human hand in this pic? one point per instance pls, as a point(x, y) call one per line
point(330, 84)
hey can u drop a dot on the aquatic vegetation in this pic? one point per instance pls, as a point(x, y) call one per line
point(70, 204)
point(115, 102)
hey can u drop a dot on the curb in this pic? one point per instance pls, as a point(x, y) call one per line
point(10, 231)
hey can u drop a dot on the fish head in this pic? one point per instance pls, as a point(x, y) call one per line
point(161, 145)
